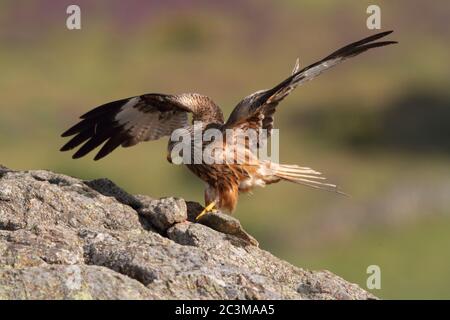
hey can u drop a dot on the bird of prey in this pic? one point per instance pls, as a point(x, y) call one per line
point(130, 121)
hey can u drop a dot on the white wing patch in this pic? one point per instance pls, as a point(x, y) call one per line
point(128, 114)
point(145, 126)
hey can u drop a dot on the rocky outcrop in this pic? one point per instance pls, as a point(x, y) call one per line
point(64, 238)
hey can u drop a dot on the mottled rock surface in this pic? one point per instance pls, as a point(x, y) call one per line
point(64, 238)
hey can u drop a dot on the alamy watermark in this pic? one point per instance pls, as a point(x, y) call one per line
point(374, 280)
point(197, 145)
point(374, 19)
point(73, 21)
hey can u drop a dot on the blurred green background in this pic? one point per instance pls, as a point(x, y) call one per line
point(378, 125)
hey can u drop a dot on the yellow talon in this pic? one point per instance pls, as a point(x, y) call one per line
point(208, 208)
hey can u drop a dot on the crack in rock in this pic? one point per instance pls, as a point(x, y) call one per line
point(65, 238)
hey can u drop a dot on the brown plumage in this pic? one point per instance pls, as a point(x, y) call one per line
point(151, 116)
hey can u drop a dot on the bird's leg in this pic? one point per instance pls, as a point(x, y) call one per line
point(207, 209)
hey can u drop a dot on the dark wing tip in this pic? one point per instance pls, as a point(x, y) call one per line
point(384, 43)
point(105, 109)
point(76, 156)
point(374, 37)
point(101, 155)
point(361, 45)
point(77, 128)
point(68, 133)
point(94, 128)
point(64, 148)
point(384, 33)
point(115, 141)
point(79, 154)
point(359, 49)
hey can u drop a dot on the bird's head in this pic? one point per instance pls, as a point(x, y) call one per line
point(203, 108)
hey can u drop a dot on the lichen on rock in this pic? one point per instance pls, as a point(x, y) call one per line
point(65, 238)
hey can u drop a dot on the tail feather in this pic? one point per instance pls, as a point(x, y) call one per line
point(296, 169)
point(304, 176)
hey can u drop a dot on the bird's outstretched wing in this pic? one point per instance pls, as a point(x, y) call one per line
point(257, 110)
point(126, 122)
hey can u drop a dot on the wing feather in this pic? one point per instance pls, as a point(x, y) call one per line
point(264, 102)
point(125, 123)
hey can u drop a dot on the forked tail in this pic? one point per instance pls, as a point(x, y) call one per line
point(304, 176)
